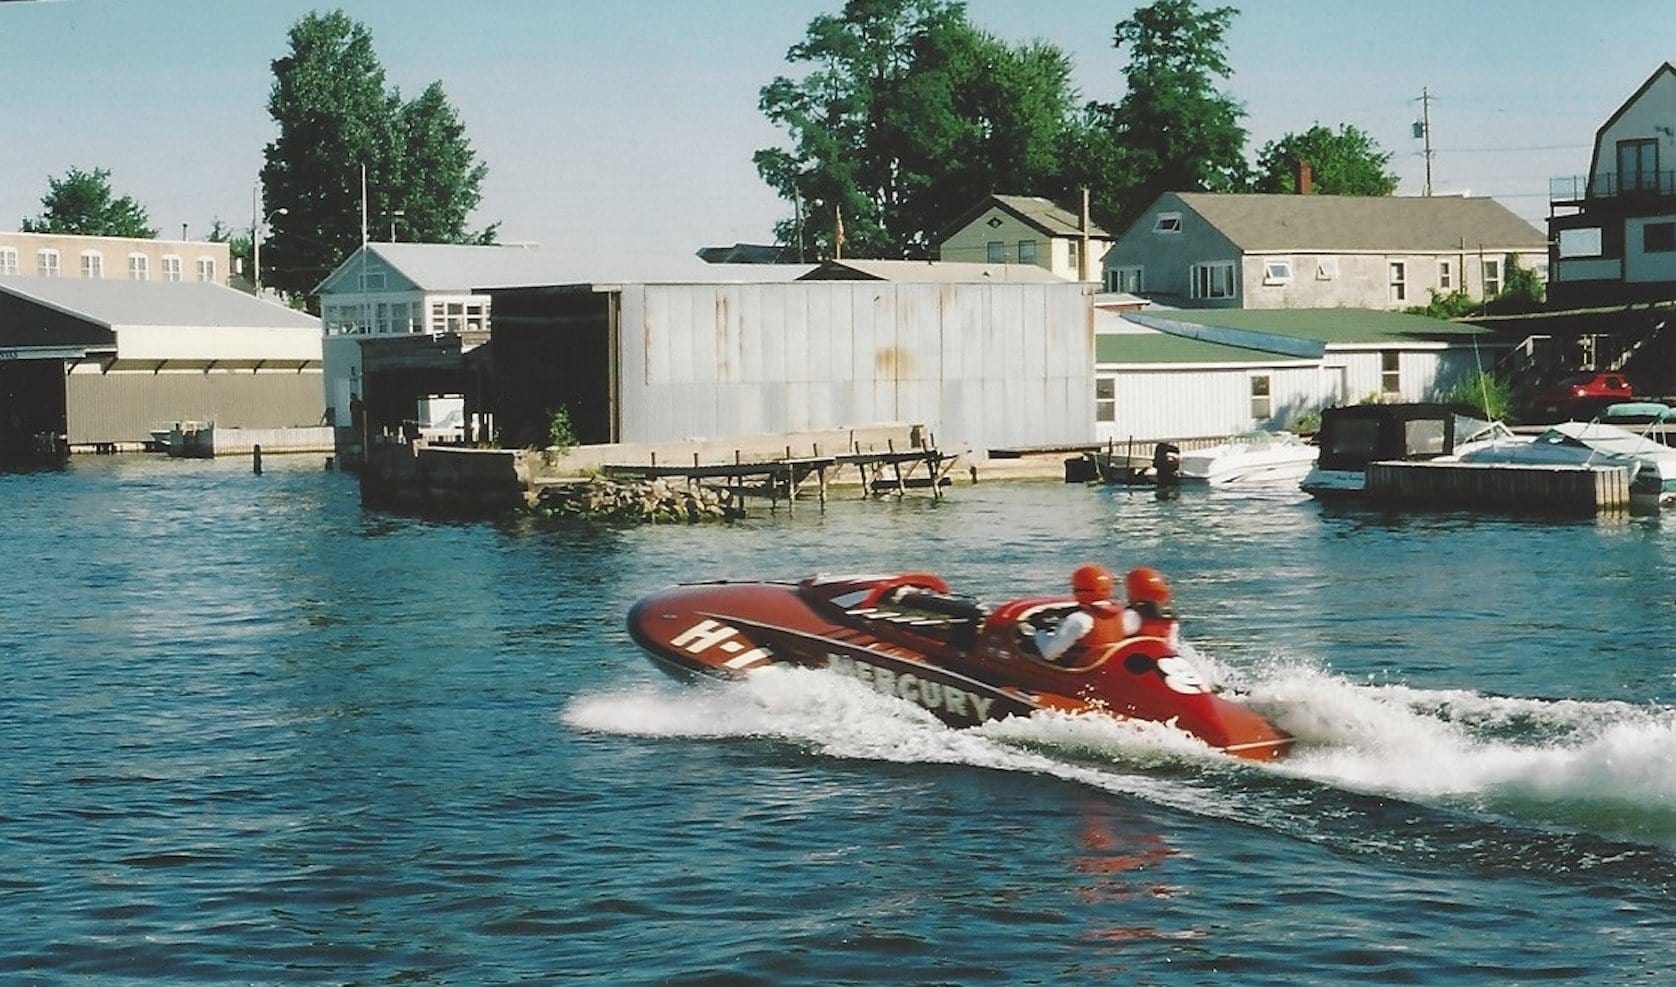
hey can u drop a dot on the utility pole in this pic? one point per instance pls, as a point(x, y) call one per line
point(1423, 128)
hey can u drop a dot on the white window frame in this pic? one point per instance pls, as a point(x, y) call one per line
point(206, 269)
point(8, 260)
point(1446, 275)
point(171, 267)
point(1167, 222)
point(139, 267)
point(1105, 399)
point(46, 263)
point(457, 313)
point(92, 264)
point(1277, 271)
point(1390, 372)
point(1129, 278)
point(1261, 390)
point(1399, 280)
point(1490, 271)
point(1213, 280)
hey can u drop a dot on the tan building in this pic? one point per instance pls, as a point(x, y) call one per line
point(113, 258)
point(1208, 250)
point(1023, 229)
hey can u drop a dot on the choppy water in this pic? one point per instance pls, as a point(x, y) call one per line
point(251, 733)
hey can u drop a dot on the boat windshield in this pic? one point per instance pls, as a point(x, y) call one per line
point(1468, 429)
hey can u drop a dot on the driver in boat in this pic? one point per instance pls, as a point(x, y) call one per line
point(1098, 621)
point(1095, 623)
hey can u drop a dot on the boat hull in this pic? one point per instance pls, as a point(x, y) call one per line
point(963, 668)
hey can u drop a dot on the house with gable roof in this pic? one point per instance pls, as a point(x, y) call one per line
point(1027, 229)
point(1613, 232)
point(1251, 251)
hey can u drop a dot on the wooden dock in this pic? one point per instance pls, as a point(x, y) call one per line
point(787, 477)
point(1513, 488)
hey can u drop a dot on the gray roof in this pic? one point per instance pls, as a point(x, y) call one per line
point(113, 303)
point(1048, 215)
point(459, 267)
point(932, 271)
point(1257, 223)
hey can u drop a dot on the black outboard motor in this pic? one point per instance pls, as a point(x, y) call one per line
point(1166, 464)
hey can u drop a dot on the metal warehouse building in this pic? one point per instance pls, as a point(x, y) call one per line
point(104, 362)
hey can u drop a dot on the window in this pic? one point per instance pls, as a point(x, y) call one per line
point(206, 269)
point(1277, 270)
point(1658, 238)
point(1581, 242)
point(8, 260)
point(997, 253)
point(1027, 251)
point(1638, 166)
point(46, 263)
point(459, 315)
point(1262, 401)
point(1130, 279)
point(1213, 280)
point(1326, 268)
point(372, 280)
point(1167, 222)
point(92, 264)
point(1492, 277)
point(1105, 399)
point(1075, 253)
point(171, 267)
point(139, 267)
point(1446, 275)
point(1399, 280)
point(1390, 373)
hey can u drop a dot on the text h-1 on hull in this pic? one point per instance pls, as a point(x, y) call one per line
point(907, 636)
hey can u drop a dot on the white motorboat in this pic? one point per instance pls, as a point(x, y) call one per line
point(1354, 436)
point(1651, 464)
point(1253, 458)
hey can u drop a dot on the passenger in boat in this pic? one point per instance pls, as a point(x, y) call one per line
point(1095, 623)
point(1149, 611)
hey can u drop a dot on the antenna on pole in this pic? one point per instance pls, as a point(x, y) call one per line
point(364, 203)
point(1423, 128)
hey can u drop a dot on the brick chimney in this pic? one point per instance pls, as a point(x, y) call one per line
point(1306, 179)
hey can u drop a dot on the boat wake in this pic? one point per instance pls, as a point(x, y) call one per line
point(1367, 754)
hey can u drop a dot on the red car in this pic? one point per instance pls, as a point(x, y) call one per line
point(1583, 395)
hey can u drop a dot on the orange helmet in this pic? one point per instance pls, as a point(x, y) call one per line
point(1091, 583)
point(1146, 585)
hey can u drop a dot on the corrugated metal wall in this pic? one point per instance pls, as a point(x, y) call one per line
point(985, 365)
point(124, 406)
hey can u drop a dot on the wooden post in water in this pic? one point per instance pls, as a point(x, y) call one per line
point(256, 459)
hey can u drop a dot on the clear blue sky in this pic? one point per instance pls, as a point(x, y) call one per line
point(630, 125)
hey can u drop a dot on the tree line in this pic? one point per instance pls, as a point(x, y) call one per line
point(907, 116)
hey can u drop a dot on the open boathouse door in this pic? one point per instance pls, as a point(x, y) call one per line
point(555, 348)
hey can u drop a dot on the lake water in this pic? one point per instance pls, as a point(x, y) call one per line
point(250, 732)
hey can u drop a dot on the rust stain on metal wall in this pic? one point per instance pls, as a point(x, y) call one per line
point(893, 363)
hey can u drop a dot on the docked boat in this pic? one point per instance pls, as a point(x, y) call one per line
point(1651, 464)
point(907, 636)
point(1352, 437)
point(1255, 458)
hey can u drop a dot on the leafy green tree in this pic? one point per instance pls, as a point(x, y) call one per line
point(1173, 130)
point(1346, 162)
point(908, 116)
point(238, 244)
point(81, 203)
point(336, 117)
point(1522, 289)
point(1455, 304)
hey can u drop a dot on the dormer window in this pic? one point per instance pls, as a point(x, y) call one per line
point(1167, 222)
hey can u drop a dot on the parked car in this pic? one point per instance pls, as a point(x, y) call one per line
point(1582, 396)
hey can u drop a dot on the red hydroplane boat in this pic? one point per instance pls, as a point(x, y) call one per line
point(907, 636)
